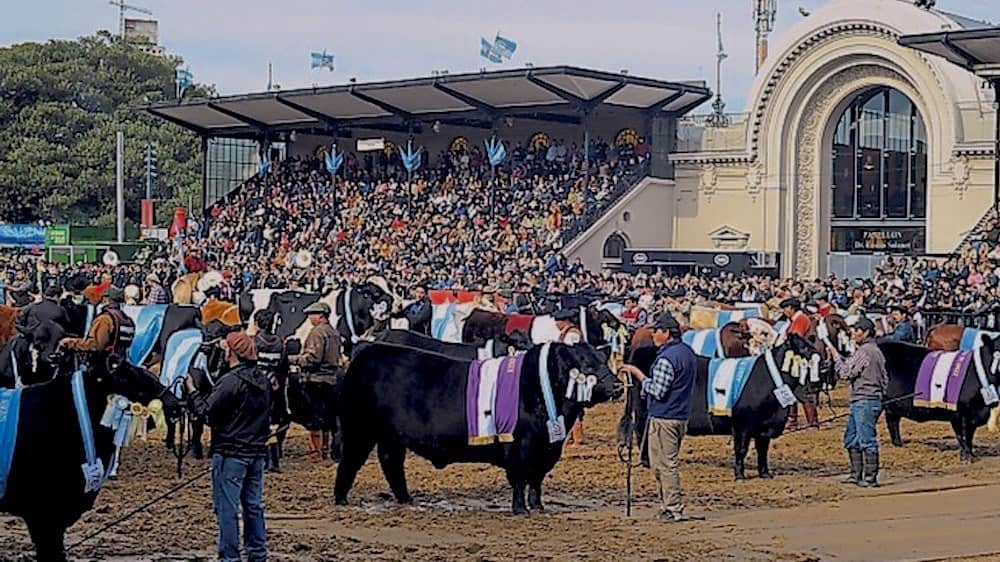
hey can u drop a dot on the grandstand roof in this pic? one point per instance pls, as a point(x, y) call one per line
point(977, 50)
point(559, 93)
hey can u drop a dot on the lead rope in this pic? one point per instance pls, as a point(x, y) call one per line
point(173, 489)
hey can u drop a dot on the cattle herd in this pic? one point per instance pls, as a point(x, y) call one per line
point(477, 386)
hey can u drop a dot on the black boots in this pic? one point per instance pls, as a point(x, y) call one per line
point(870, 479)
point(856, 467)
point(274, 458)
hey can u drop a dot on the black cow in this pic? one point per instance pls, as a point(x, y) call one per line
point(757, 414)
point(176, 318)
point(288, 307)
point(16, 357)
point(903, 360)
point(483, 325)
point(402, 398)
point(498, 348)
point(45, 485)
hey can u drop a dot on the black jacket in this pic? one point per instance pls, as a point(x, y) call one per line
point(237, 410)
point(38, 313)
point(419, 315)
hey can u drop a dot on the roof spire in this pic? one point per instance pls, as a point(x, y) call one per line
point(718, 118)
point(764, 14)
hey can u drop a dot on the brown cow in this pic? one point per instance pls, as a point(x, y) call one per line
point(945, 337)
point(8, 314)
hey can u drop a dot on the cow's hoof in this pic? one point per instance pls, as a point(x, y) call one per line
point(739, 477)
point(198, 454)
point(538, 507)
point(766, 475)
point(405, 500)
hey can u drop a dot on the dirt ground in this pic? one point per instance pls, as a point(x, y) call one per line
point(930, 507)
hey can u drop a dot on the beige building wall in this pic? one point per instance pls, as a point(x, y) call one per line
point(764, 182)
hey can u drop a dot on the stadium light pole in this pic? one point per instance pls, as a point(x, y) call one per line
point(120, 186)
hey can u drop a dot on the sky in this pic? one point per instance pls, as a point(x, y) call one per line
point(230, 42)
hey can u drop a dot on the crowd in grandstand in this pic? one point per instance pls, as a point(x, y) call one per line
point(460, 225)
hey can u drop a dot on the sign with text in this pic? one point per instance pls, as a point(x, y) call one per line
point(368, 145)
point(890, 240)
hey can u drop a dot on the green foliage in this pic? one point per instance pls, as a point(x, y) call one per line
point(61, 104)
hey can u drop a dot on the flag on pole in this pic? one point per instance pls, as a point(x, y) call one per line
point(504, 47)
point(488, 51)
point(322, 60)
point(184, 80)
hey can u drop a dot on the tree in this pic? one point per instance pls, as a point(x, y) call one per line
point(61, 103)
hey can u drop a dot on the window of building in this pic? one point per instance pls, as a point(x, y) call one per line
point(627, 137)
point(539, 140)
point(459, 144)
point(880, 159)
point(614, 246)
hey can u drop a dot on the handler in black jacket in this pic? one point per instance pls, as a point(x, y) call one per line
point(237, 410)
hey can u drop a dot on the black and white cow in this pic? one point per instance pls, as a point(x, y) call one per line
point(902, 361)
point(17, 362)
point(407, 399)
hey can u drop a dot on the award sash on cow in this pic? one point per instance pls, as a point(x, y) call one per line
point(442, 316)
point(704, 342)
point(181, 349)
point(971, 338)
point(940, 378)
point(555, 424)
point(10, 407)
point(93, 467)
point(148, 321)
point(492, 399)
point(726, 380)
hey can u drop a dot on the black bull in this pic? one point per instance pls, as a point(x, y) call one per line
point(401, 398)
point(45, 485)
point(756, 415)
point(500, 346)
point(903, 364)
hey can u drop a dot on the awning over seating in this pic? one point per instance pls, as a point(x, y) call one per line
point(557, 93)
point(977, 50)
point(27, 235)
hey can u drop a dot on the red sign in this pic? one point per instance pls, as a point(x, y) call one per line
point(179, 223)
point(147, 213)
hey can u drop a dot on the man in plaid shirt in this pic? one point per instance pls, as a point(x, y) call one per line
point(157, 294)
point(668, 390)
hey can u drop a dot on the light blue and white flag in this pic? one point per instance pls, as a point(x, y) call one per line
point(148, 320)
point(263, 168)
point(411, 158)
point(181, 348)
point(322, 60)
point(496, 151)
point(184, 79)
point(488, 51)
point(504, 47)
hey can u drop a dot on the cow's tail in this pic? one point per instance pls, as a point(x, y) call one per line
point(994, 424)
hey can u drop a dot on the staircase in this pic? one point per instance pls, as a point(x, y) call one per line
point(630, 179)
point(979, 231)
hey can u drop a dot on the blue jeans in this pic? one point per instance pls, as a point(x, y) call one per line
point(860, 432)
point(236, 484)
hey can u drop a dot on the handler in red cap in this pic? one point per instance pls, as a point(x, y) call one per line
point(237, 411)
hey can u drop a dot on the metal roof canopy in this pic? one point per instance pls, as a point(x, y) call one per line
point(976, 50)
point(559, 93)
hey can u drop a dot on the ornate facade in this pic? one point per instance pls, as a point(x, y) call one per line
point(769, 175)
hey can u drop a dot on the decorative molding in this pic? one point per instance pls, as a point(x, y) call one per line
point(729, 238)
point(808, 163)
point(709, 181)
point(682, 158)
point(960, 172)
point(755, 179)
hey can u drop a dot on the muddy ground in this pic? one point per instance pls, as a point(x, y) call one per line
point(931, 507)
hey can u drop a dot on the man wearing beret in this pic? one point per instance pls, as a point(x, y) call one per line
point(111, 331)
point(238, 411)
point(320, 362)
point(668, 390)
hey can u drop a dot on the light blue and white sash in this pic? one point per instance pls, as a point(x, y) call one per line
point(726, 380)
point(181, 349)
point(555, 423)
point(93, 468)
point(10, 407)
point(349, 315)
point(148, 321)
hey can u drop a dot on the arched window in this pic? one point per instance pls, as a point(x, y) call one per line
point(459, 144)
point(614, 246)
point(627, 137)
point(880, 159)
point(539, 140)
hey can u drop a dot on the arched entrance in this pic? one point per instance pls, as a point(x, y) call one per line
point(878, 179)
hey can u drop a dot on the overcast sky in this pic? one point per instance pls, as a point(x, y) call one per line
point(230, 42)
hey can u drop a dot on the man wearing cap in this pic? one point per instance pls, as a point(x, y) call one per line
point(668, 391)
point(320, 361)
point(903, 328)
point(155, 293)
point(865, 371)
point(111, 331)
point(238, 411)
